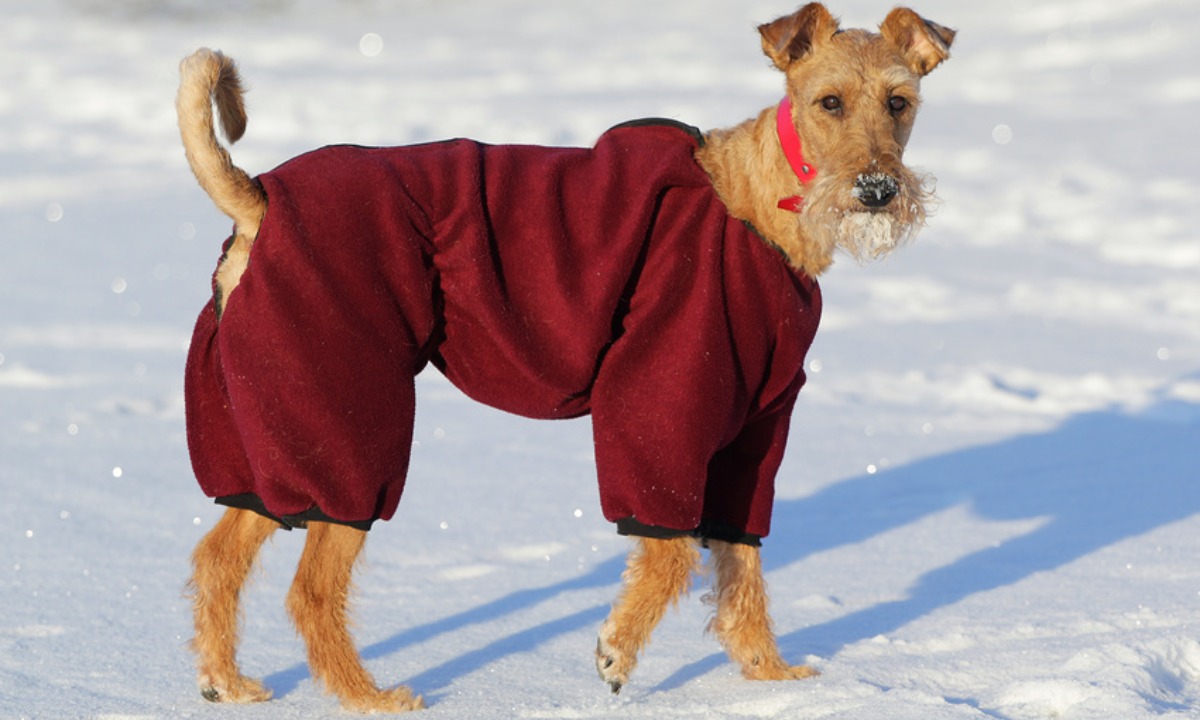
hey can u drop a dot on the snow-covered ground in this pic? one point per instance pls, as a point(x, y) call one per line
point(990, 508)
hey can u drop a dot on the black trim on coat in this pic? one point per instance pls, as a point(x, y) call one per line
point(253, 503)
point(708, 530)
point(692, 130)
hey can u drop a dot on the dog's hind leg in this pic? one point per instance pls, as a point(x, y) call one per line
point(658, 573)
point(318, 603)
point(742, 623)
point(222, 561)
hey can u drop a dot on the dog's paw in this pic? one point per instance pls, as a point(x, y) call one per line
point(239, 690)
point(398, 699)
point(777, 669)
point(613, 664)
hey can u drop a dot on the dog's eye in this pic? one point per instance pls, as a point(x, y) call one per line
point(897, 104)
point(832, 103)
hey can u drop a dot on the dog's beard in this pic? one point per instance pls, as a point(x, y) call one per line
point(834, 217)
point(871, 235)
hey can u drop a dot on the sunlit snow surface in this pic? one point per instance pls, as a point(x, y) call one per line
point(989, 507)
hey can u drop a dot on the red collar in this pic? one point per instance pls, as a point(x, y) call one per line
point(794, 152)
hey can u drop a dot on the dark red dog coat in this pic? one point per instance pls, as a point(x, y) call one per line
point(547, 282)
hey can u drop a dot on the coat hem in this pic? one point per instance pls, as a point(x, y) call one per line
point(253, 503)
point(707, 530)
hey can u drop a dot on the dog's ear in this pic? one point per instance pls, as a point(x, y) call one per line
point(791, 37)
point(922, 43)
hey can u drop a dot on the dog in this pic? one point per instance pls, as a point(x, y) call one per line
point(663, 281)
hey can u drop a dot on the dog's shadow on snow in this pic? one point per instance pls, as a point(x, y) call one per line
point(434, 679)
point(1096, 480)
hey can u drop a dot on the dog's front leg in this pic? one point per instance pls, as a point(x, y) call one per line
point(658, 573)
point(221, 563)
point(742, 623)
point(318, 603)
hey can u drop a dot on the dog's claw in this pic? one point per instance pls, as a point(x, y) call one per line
point(606, 659)
point(239, 690)
point(604, 662)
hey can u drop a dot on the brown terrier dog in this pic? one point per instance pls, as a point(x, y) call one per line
point(675, 306)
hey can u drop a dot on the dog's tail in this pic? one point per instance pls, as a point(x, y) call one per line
point(206, 78)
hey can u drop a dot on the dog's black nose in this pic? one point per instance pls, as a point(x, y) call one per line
point(875, 190)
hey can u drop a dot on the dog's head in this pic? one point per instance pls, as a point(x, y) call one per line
point(853, 98)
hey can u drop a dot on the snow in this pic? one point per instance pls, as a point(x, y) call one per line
point(989, 508)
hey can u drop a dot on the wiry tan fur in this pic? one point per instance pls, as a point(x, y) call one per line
point(864, 71)
point(741, 621)
point(657, 574)
point(317, 603)
point(222, 562)
point(208, 78)
point(857, 138)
